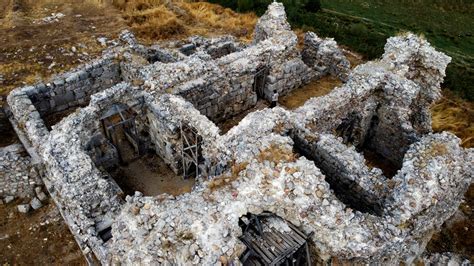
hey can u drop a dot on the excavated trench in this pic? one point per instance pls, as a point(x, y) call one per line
point(347, 191)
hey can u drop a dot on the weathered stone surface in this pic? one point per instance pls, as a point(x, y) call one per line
point(36, 203)
point(324, 54)
point(254, 166)
point(18, 177)
point(23, 208)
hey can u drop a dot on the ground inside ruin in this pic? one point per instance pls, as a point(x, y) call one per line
point(151, 176)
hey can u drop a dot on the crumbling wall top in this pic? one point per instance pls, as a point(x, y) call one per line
point(272, 24)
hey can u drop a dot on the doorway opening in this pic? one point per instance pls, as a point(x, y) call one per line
point(259, 81)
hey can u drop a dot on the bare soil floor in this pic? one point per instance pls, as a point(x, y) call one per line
point(38, 238)
point(31, 49)
point(317, 88)
point(151, 176)
point(148, 174)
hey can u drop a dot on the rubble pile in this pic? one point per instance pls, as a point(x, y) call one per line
point(308, 166)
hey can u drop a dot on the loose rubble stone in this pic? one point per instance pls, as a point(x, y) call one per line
point(9, 199)
point(23, 208)
point(36, 203)
point(17, 175)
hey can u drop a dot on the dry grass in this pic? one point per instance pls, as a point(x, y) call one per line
point(317, 88)
point(221, 181)
point(277, 154)
point(154, 19)
point(455, 115)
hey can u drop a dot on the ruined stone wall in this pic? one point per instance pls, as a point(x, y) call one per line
point(88, 198)
point(346, 170)
point(165, 116)
point(292, 188)
point(253, 167)
point(18, 177)
point(325, 55)
point(151, 54)
point(215, 47)
point(27, 121)
point(374, 112)
point(224, 87)
point(102, 152)
point(166, 137)
point(74, 88)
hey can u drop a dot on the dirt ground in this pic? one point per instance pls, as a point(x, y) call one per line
point(38, 238)
point(31, 50)
point(151, 176)
point(148, 174)
point(317, 88)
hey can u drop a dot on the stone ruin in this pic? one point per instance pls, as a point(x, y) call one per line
point(309, 166)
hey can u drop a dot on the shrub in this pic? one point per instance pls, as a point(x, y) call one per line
point(313, 6)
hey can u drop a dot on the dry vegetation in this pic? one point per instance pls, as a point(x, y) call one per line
point(158, 19)
point(455, 115)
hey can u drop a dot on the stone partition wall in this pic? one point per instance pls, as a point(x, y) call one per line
point(318, 52)
point(165, 116)
point(75, 87)
point(215, 47)
point(27, 122)
point(356, 185)
point(375, 109)
point(88, 198)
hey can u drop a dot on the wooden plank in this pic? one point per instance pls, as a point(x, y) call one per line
point(271, 251)
point(289, 240)
point(272, 239)
point(275, 247)
point(262, 251)
point(292, 226)
point(297, 238)
point(283, 242)
point(249, 243)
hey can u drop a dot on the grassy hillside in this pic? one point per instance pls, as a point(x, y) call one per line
point(448, 25)
point(364, 25)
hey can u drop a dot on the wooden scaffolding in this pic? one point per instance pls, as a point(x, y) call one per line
point(121, 117)
point(191, 150)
